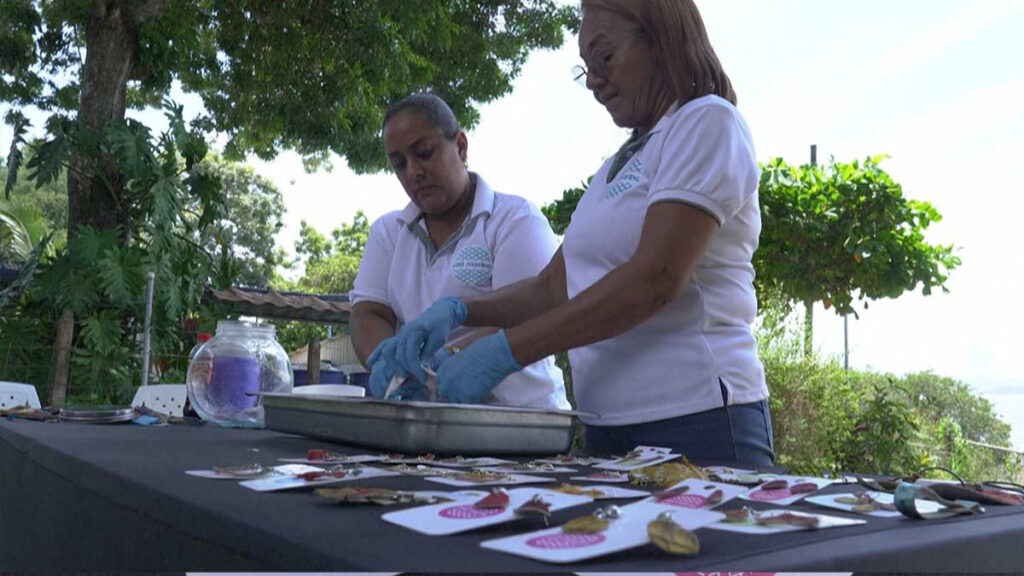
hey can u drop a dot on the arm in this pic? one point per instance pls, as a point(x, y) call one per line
point(528, 277)
point(673, 238)
point(371, 323)
point(523, 244)
point(373, 318)
point(706, 171)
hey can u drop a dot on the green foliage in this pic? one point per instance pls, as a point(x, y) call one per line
point(100, 274)
point(313, 76)
point(15, 241)
point(19, 124)
point(330, 268)
point(26, 335)
point(43, 208)
point(830, 233)
point(559, 212)
point(254, 211)
point(827, 420)
point(294, 335)
point(331, 265)
point(885, 434)
point(312, 245)
point(13, 292)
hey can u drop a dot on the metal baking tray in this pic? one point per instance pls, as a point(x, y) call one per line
point(422, 427)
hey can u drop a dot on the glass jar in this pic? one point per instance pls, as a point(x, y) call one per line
point(239, 359)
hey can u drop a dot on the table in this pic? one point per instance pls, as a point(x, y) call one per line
point(114, 498)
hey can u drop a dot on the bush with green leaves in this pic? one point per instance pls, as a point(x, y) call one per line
point(829, 420)
point(172, 208)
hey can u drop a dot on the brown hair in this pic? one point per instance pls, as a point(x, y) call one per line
point(430, 106)
point(676, 31)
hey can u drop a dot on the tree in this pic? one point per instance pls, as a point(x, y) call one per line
point(330, 268)
point(99, 275)
point(833, 232)
point(254, 209)
point(313, 76)
point(253, 215)
point(331, 265)
point(830, 233)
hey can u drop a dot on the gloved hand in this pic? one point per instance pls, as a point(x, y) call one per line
point(384, 368)
point(424, 335)
point(469, 376)
point(385, 350)
point(380, 376)
point(413, 389)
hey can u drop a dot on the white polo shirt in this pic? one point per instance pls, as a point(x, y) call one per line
point(504, 239)
point(670, 365)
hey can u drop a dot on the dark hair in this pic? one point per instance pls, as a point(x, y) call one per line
point(676, 31)
point(430, 106)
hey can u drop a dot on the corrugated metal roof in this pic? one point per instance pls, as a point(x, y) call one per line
point(323, 308)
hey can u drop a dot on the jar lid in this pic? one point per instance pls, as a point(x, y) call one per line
point(242, 327)
point(96, 414)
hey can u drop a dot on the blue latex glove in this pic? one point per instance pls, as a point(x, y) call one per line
point(424, 335)
point(384, 369)
point(380, 376)
point(469, 376)
point(385, 350)
point(413, 389)
point(410, 390)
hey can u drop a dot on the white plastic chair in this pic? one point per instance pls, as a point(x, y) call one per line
point(166, 398)
point(14, 394)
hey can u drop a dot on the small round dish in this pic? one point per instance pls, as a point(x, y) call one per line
point(96, 414)
point(331, 390)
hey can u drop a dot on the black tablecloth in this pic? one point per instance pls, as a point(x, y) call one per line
point(115, 497)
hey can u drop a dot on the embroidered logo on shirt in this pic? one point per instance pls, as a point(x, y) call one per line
point(472, 265)
point(626, 179)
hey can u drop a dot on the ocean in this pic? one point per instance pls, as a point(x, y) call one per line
point(1010, 407)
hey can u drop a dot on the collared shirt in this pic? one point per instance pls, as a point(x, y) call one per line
point(671, 364)
point(503, 240)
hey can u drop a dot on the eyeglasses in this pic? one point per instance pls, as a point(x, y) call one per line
point(598, 67)
point(579, 75)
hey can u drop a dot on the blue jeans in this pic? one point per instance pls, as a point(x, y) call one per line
point(737, 434)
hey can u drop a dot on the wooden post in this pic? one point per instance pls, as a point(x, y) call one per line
point(60, 364)
point(313, 361)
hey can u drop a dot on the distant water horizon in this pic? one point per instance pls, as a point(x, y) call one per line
point(1008, 403)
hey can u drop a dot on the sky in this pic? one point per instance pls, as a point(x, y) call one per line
point(936, 85)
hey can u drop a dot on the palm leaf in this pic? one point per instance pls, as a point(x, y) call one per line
point(13, 292)
point(15, 240)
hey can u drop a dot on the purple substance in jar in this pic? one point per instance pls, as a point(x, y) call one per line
point(230, 379)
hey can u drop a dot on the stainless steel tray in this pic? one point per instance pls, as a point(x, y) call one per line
point(422, 427)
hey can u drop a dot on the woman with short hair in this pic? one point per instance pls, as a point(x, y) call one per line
point(456, 238)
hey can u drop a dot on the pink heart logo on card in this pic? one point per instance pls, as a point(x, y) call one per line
point(685, 501)
point(565, 541)
point(467, 512)
point(725, 573)
point(768, 495)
